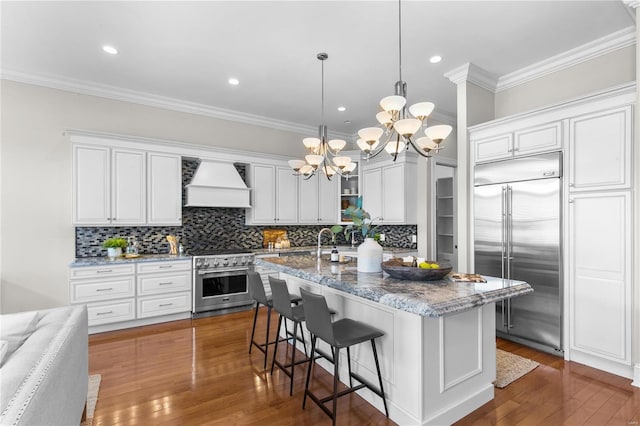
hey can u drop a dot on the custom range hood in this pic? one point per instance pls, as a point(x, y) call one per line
point(217, 184)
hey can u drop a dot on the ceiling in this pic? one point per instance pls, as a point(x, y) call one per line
point(187, 51)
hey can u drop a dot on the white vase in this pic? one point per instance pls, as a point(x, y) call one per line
point(114, 252)
point(369, 256)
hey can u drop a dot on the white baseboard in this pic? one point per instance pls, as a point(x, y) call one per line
point(636, 375)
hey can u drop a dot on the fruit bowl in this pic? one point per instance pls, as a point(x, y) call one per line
point(404, 271)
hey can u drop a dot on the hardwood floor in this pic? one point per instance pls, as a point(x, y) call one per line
point(199, 372)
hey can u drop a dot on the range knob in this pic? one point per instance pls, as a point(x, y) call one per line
point(235, 262)
point(215, 264)
point(225, 262)
point(243, 261)
point(205, 264)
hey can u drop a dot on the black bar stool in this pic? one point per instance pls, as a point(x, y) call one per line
point(343, 333)
point(282, 304)
point(257, 293)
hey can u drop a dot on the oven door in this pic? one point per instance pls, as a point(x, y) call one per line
point(221, 289)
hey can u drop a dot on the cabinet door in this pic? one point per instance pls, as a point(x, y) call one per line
point(91, 185)
point(547, 137)
point(164, 189)
point(493, 148)
point(328, 199)
point(600, 150)
point(263, 191)
point(372, 192)
point(309, 199)
point(393, 194)
point(286, 196)
point(128, 180)
point(600, 275)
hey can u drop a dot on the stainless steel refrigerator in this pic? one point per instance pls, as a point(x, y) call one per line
point(517, 227)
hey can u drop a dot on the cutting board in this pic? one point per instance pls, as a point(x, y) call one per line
point(272, 235)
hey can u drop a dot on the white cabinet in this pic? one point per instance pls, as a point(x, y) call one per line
point(164, 190)
point(524, 141)
point(132, 294)
point(600, 150)
point(108, 186)
point(350, 191)
point(600, 283)
point(116, 186)
point(275, 195)
point(389, 192)
point(318, 199)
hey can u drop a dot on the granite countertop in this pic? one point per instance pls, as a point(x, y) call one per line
point(96, 261)
point(327, 247)
point(430, 299)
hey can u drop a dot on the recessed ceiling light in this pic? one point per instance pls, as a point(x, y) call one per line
point(435, 59)
point(347, 121)
point(234, 81)
point(110, 50)
point(342, 109)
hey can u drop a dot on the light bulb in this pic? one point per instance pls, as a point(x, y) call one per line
point(393, 103)
point(384, 118)
point(306, 169)
point(394, 147)
point(329, 170)
point(312, 144)
point(421, 110)
point(341, 162)
point(337, 144)
point(296, 165)
point(370, 134)
point(438, 133)
point(407, 127)
point(426, 144)
point(314, 160)
point(349, 168)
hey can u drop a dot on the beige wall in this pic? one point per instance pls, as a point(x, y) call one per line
point(603, 72)
point(37, 236)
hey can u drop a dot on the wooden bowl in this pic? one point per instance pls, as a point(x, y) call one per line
point(404, 271)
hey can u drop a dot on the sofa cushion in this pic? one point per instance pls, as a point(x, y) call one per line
point(15, 328)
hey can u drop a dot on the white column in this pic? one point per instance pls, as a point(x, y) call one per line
point(635, 327)
point(475, 104)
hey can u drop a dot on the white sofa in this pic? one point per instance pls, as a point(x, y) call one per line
point(44, 370)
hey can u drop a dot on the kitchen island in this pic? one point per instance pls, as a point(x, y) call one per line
point(438, 355)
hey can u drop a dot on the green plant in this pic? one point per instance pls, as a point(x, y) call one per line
point(114, 242)
point(361, 224)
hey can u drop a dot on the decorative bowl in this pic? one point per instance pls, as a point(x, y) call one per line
point(404, 271)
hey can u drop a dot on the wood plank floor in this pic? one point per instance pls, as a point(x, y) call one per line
point(199, 372)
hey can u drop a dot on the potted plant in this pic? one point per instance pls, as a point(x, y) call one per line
point(369, 252)
point(114, 246)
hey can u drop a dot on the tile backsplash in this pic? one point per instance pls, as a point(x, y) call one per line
point(213, 228)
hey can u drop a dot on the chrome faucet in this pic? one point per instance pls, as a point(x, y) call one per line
point(333, 239)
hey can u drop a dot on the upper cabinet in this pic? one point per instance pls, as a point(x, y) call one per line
point(164, 194)
point(275, 195)
point(350, 190)
point(546, 137)
point(318, 199)
point(116, 187)
point(388, 192)
point(600, 150)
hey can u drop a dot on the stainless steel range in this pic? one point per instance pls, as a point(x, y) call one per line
point(220, 282)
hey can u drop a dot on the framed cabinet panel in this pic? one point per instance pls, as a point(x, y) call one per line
point(164, 189)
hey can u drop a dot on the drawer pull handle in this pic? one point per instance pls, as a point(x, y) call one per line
point(167, 283)
point(165, 266)
point(104, 289)
point(163, 305)
point(104, 313)
point(103, 271)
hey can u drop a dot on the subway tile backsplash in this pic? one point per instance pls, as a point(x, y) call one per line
point(212, 228)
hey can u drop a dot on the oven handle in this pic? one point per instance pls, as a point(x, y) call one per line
point(224, 273)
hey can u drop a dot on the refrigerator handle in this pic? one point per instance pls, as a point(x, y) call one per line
point(509, 227)
point(503, 249)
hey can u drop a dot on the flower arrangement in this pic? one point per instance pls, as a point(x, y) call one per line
point(115, 242)
point(361, 224)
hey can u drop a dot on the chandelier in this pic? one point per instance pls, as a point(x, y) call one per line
point(323, 153)
point(399, 125)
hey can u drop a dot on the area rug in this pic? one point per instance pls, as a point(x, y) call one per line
point(510, 367)
point(92, 398)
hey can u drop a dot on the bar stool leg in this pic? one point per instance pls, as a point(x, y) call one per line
point(275, 349)
point(253, 330)
point(266, 343)
point(349, 366)
point(375, 357)
point(336, 378)
point(306, 385)
point(293, 355)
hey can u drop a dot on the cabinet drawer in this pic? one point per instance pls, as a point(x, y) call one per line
point(163, 305)
point(90, 291)
point(149, 267)
point(493, 148)
point(538, 139)
point(101, 271)
point(116, 311)
point(164, 283)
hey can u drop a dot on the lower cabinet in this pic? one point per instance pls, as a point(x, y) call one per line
point(134, 294)
point(600, 286)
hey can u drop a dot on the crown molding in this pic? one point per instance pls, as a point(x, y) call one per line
point(473, 74)
point(147, 99)
point(614, 41)
point(632, 3)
